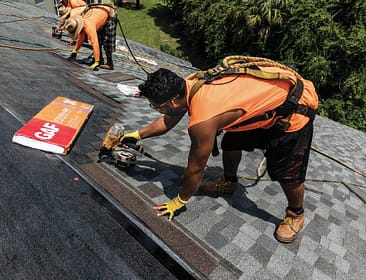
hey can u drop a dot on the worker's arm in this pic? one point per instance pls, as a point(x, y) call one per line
point(202, 138)
point(160, 126)
point(91, 32)
point(202, 141)
point(93, 39)
point(80, 41)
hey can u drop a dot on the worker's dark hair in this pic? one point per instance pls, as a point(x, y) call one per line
point(162, 85)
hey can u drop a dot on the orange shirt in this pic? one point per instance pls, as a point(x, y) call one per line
point(93, 20)
point(75, 3)
point(254, 96)
point(74, 12)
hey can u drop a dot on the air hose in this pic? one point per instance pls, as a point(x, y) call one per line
point(261, 170)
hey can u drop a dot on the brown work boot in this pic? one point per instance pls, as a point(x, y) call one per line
point(290, 226)
point(108, 66)
point(218, 186)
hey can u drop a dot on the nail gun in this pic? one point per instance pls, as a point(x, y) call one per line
point(56, 32)
point(124, 155)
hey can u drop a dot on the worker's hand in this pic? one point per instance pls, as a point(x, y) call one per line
point(170, 207)
point(72, 56)
point(103, 151)
point(94, 66)
point(130, 138)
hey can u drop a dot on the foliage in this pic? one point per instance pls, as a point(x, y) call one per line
point(331, 52)
point(325, 40)
point(143, 25)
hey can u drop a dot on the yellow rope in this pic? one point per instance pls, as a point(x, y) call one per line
point(260, 167)
point(32, 49)
point(339, 161)
point(35, 20)
point(248, 61)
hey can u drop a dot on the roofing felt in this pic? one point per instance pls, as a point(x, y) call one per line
point(216, 237)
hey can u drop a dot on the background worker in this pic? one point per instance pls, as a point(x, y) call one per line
point(72, 3)
point(67, 12)
point(66, 9)
point(220, 105)
point(98, 23)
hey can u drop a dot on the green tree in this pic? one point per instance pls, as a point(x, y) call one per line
point(324, 40)
point(331, 53)
point(265, 15)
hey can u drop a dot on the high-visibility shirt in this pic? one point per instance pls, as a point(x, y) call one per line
point(74, 12)
point(93, 20)
point(75, 3)
point(254, 96)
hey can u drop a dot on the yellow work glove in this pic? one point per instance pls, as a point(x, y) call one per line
point(94, 66)
point(170, 207)
point(130, 138)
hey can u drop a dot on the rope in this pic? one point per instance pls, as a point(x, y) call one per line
point(260, 174)
point(260, 166)
point(30, 49)
point(57, 49)
point(35, 20)
point(363, 174)
point(248, 61)
point(129, 49)
point(41, 48)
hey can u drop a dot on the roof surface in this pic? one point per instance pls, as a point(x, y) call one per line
point(216, 237)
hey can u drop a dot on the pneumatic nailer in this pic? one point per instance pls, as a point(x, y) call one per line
point(121, 154)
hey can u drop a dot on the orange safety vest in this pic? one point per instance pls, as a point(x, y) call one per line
point(93, 20)
point(255, 96)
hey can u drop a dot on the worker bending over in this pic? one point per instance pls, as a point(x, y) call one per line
point(70, 8)
point(66, 9)
point(252, 112)
point(98, 23)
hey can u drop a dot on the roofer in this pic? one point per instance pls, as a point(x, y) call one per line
point(66, 9)
point(226, 105)
point(99, 24)
point(68, 12)
point(70, 8)
point(72, 3)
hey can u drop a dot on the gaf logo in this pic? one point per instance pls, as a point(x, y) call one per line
point(47, 132)
point(71, 102)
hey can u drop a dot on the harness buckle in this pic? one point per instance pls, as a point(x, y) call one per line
point(303, 110)
point(210, 77)
point(283, 124)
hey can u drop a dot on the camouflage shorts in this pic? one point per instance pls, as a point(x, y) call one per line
point(287, 153)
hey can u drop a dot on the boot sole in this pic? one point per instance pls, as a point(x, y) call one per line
point(285, 240)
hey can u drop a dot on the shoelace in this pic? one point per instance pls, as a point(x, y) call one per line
point(288, 220)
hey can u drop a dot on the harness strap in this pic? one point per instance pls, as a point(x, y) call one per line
point(257, 73)
point(195, 88)
point(211, 75)
point(285, 110)
point(108, 8)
